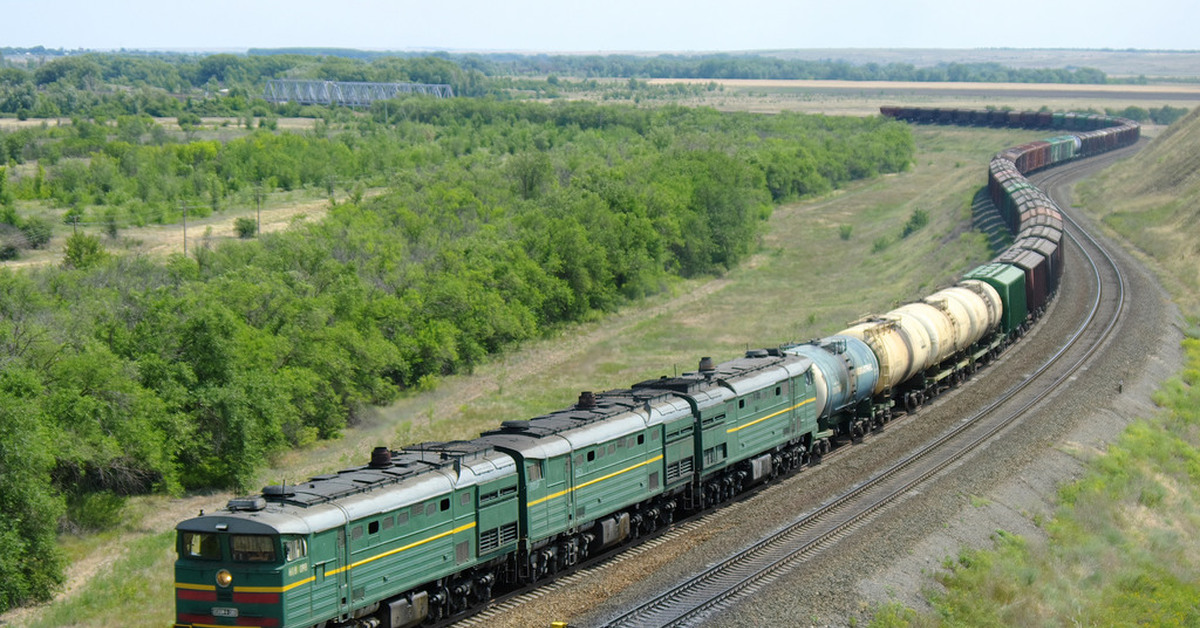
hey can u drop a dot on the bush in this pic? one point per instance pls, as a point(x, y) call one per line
point(95, 511)
point(245, 227)
point(83, 251)
point(916, 221)
point(37, 231)
point(844, 231)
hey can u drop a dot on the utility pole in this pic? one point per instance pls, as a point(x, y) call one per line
point(183, 206)
point(258, 207)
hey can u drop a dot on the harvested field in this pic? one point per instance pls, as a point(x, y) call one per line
point(863, 98)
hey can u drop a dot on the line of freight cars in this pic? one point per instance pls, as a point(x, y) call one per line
point(422, 533)
point(1028, 212)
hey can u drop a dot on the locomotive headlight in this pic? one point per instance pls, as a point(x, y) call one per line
point(224, 577)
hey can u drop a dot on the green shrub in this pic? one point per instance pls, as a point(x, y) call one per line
point(245, 227)
point(916, 221)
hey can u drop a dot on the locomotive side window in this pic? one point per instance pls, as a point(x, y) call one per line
point(295, 548)
point(202, 546)
point(533, 471)
point(252, 548)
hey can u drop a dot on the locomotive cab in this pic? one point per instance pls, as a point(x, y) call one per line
point(234, 571)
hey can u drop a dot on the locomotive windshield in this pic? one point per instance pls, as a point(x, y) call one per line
point(202, 546)
point(252, 548)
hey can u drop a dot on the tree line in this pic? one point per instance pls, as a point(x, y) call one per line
point(497, 221)
point(168, 84)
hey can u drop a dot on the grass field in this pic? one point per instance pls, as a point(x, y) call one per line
point(860, 98)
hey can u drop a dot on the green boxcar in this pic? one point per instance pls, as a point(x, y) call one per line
point(1063, 148)
point(1010, 283)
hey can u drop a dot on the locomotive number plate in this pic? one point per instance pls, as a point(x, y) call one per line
point(219, 611)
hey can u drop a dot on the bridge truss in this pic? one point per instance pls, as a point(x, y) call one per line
point(344, 93)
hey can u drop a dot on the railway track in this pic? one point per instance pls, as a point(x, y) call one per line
point(733, 579)
point(759, 564)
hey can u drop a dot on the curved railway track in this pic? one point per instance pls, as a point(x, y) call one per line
point(739, 576)
point(743, 572)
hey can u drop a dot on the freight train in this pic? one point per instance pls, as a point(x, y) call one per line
point(420, 534)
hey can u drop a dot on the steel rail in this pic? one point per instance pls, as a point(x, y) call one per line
point(758, 563)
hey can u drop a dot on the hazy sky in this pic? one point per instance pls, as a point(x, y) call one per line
point(606, 26)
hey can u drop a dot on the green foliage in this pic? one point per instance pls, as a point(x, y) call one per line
point(488, 224)
point(29, 558)
point(844, 231)
point(245, 227)
point(1167, 115)
point(83, 251)
point(95, 511)
point(1164, 115)
point(37, 231)
point(918, 219)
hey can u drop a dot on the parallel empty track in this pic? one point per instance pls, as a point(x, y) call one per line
point(757, 565)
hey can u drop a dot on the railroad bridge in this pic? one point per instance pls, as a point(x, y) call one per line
point(345, 93)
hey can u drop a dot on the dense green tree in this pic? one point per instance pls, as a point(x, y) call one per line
point(83, 251)
point(29, 557)
point(492, 223)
